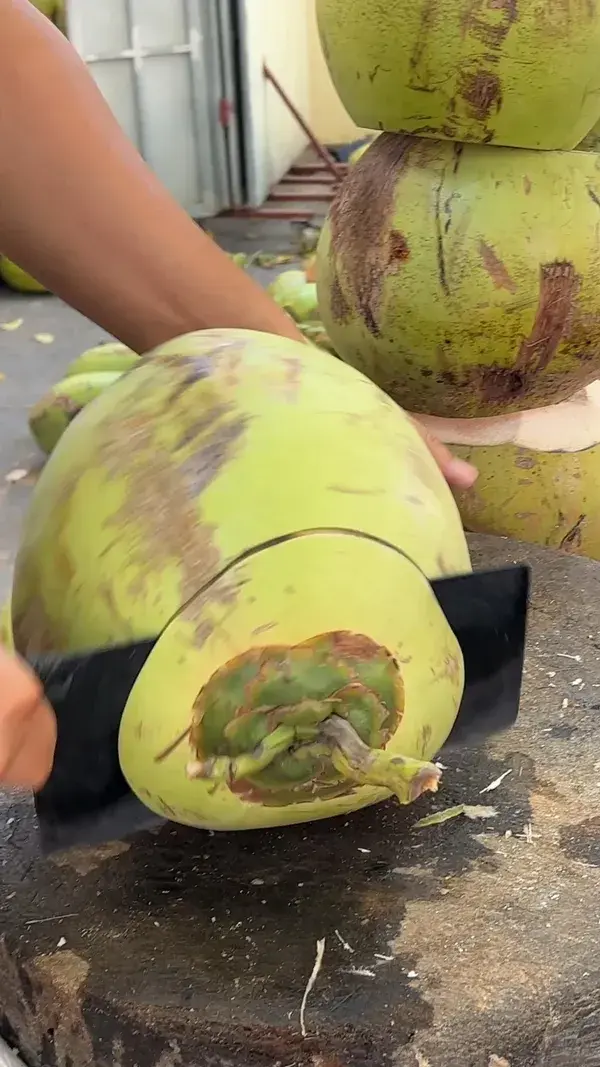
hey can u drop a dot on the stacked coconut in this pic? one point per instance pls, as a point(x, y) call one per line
point(460, 264)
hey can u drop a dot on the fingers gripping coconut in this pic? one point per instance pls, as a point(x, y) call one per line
point(276, 519)
point(538, 472)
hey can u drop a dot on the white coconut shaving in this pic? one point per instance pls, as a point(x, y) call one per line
point(570, 426)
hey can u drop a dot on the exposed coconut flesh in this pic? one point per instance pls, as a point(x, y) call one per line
point(571, 426)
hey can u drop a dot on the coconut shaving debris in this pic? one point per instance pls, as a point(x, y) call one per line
point(343, 942)
point(422, 1060)
point(311, 983)
point(471, 811)
point(497, 781)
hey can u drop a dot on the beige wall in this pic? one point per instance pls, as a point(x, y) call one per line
point(277, 34)
point(328, 116)
point(283, 34)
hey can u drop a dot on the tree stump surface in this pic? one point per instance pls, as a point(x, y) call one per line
point(467, 944)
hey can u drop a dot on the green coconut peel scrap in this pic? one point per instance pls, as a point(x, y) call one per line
point(472, 811)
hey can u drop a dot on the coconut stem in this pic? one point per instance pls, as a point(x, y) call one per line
point(226, 769)
point(406, 778)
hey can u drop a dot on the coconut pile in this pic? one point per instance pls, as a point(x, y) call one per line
point(459, 265)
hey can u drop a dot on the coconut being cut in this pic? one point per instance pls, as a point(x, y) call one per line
point(215, 496)
point(538, 472)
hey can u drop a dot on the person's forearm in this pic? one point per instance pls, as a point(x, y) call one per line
point(81, 211)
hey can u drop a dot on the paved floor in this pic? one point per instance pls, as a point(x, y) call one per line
point(27, 370)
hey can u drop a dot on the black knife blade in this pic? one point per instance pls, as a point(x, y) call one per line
point(87, 800)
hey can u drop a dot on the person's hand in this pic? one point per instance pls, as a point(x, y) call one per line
point(458, 473)
point(27, 726)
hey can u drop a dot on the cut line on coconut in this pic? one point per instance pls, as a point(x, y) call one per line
point(570, 426)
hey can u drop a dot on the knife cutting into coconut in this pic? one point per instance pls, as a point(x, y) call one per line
point(268, 615)
point(89, 799)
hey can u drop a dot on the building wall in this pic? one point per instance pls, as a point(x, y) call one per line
point(328, 116)
point(276, 33)
point(284, 35)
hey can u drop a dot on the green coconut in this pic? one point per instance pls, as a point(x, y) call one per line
point(46, 7)
point(275, 518)
point(59, 16)
point(296, 295)
point(51, 416)
point(112, 356)
point(538, 473)
point(523, 74)
point(54, 10)
point(18, 279)
point(471, 285)
point(5, 627)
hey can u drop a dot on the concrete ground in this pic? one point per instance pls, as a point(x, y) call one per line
point(28, 368)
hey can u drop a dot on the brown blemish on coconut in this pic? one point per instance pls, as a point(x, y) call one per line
point(420, 76)
point(352, 491)
point(359, 646)
point(160, 515)
point(424, 739)
point(442, 565)
point(559, 287)
point(571, 542)
point(337, 301)
point(451, 669)
point(440, 230)
point(33, 628)
point(163, 490)
point(194, 370)
point(526, 185)
point(481, 21)
point(482, 92)
point(398, 248)
point(496, 268)
point(479, 88)
point(293, 378)
point(524, 460)
point(363, 242)
point(202, 425)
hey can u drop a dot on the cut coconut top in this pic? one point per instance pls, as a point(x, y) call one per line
point(570, 426)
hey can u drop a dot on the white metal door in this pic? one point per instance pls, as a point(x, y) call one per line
point(162, 67)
